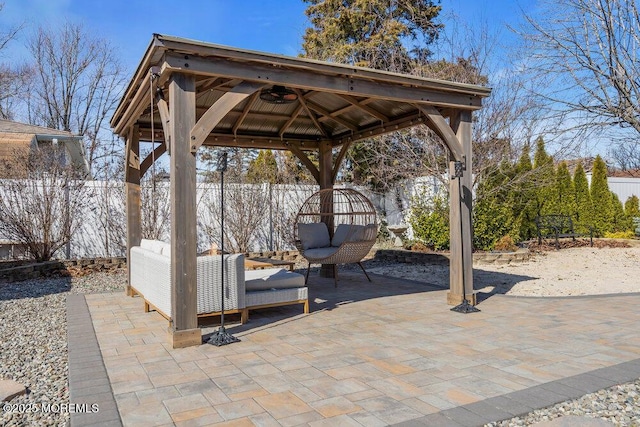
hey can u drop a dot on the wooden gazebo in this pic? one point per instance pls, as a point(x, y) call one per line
point(207, 94)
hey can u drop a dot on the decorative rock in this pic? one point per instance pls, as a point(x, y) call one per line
point(575, 421)
point(10, 389)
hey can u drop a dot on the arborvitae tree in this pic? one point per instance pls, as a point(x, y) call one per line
point(632, 210)
point(565, 202)
point(632, 206)
point(263, 168)
point(493, 214)
point(583, 213)
point(601, 198)
point(544, 180)
point(619, 221)
point(523, 196)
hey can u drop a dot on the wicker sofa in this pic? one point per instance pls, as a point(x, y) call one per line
point(150, 266)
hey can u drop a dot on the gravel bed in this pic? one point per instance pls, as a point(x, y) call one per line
point(619, 405)
point(33, 341)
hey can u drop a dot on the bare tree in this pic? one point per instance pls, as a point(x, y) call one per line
point(77, 85)
point(626, 155)
point(155, 205)
point(246, 207)
point(582, 56)
point(13, 77)
point(43, 209)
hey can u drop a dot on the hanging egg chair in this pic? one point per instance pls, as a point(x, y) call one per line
point(336, 226)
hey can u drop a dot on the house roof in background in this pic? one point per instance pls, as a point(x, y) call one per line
point(20, 136)
point(8, 126)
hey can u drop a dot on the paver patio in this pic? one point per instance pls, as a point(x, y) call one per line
point(368, 354)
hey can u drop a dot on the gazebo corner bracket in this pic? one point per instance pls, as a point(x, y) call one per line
point(218, 110)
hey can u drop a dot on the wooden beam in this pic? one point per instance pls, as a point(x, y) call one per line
point(379, 129)
point(330, 116)
point(290, 120)
point(163, 110)
point(218, 110)
point(205, 85)
point(338, 161)
point(325, 158)
point(443, 130)
point(311, 114)
point(152, 157)
point(217, 139)
point(245, 111)
point(306, 161)
point(133, 206)
point(184, 325)
point(362, 106)
point(352, 85)
point(461, 238)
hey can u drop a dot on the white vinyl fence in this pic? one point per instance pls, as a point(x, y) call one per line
point(257, 217)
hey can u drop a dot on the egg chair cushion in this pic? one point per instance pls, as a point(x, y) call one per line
point(348, 232)
point(320, 253)
point(313, 235)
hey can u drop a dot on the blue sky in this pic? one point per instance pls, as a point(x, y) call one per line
point(273, 26)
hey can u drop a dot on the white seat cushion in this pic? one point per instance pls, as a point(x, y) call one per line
point(348, 232)
point(260, 280)
point(317, 253)
point(314, 235)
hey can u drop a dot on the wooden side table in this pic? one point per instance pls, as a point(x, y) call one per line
point(262, 263)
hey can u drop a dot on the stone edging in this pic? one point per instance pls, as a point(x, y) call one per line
point(404, 256)
point(62, 268)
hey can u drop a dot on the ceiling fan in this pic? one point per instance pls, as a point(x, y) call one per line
point(278, 95)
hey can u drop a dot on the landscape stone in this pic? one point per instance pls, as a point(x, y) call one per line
point(10, 389)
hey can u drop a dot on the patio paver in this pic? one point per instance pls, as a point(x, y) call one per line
point(369, 354)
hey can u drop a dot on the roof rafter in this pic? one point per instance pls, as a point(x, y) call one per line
point(362, 106)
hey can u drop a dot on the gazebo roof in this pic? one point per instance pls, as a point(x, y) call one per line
point(335, 102)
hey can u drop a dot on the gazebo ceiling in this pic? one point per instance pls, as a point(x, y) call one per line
point(336, 103)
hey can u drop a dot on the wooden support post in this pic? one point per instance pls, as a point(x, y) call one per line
point(184, 325)
point(325, 158)
point(132, 188)
point(461, 238)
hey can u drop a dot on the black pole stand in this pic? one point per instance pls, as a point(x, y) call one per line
point(466, 306)
point(221, 336)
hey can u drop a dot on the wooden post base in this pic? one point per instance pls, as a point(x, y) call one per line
point(327, 270)
point(455, 299)
point(186, 338)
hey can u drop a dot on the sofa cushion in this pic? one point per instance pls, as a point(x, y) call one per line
point(348, 232)
point(166, 250)
point(314, 235)
point(319, 253)
point(155, 246)
point(147, 244)
point(260, 280)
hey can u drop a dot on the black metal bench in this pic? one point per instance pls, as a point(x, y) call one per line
point(558, 226)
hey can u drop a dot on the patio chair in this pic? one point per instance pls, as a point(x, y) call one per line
point(336, 226)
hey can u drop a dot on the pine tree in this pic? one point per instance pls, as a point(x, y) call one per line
point(583, 212)
point(263, 168)
point(601, 198)
point(371, 33)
